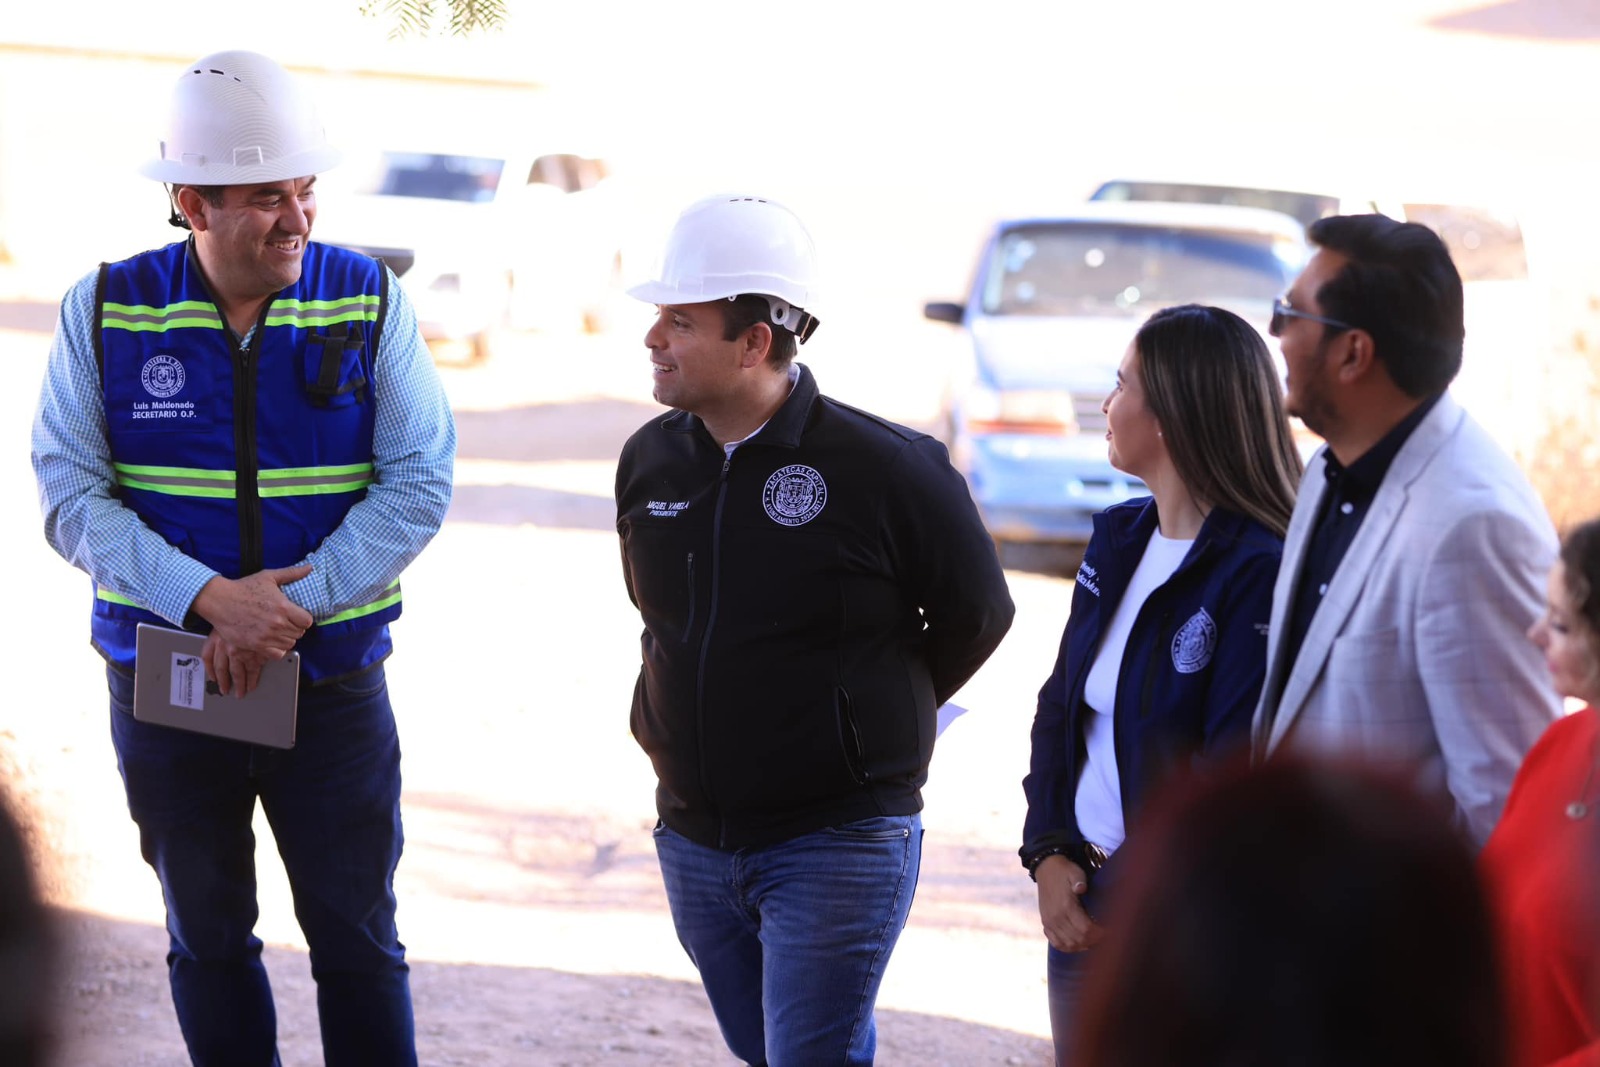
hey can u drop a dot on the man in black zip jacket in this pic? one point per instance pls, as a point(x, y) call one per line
point(814, 582)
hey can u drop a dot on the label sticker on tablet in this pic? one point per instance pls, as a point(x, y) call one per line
point(188, 681)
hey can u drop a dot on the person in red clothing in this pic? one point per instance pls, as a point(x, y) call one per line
point(1542, 863)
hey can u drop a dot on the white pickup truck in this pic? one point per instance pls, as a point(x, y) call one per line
point(482, 241)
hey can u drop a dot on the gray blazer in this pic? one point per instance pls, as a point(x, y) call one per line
point(1417, 657)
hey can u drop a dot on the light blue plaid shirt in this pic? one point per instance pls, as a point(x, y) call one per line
point(413, 450)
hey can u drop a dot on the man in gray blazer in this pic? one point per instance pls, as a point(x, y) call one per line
point(1417, 554)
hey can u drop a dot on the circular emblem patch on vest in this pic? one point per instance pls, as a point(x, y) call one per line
point(1194, 642)
point(794, 495)
point(163, 376)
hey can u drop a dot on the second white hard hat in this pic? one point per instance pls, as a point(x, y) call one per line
point(726, 246)
point(238, 118)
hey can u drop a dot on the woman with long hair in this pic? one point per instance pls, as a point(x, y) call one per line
point(1165, 650)
point(1542, 863)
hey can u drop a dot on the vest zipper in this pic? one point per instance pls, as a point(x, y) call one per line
point(246, 460)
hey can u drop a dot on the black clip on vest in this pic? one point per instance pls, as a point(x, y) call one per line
point(335, 343)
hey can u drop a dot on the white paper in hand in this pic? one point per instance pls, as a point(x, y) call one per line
point(947, 714)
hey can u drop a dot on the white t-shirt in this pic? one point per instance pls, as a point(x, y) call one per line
point(1098, 802)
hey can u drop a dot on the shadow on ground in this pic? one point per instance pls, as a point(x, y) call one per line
point(513, 505)
point(467, 1014)
point(591, 431)
point(520, 857)
point(542, 433)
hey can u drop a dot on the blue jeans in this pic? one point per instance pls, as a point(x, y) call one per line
point(333, 802)
point(791, 939)
point(1067, 973)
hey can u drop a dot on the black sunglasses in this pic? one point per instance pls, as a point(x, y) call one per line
point(1281, 311)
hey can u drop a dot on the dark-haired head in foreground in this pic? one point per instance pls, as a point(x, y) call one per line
point(27, 950)
point(1297, 914)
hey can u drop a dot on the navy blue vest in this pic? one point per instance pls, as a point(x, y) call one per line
point(244, 458)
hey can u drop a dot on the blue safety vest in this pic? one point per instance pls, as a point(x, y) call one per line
point(243, 457)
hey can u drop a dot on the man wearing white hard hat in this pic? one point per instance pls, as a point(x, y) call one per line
point(242, 435)
point(814, 582)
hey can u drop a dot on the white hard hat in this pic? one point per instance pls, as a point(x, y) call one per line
point(238, 118)
point(727, 246)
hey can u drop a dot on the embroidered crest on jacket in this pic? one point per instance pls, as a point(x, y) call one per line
point(1194, 643)
point(794, 495)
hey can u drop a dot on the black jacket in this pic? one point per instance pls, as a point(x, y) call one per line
point(807, 606)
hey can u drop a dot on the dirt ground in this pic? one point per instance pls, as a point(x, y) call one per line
point(530, 900)
point(116, 1011)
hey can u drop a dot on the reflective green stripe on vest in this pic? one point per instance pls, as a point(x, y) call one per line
point(178, 481)
point(313, 481)
point(192, 314)
point(198, 314)
point(287, 481)
point(390, 596)
point(308, 313)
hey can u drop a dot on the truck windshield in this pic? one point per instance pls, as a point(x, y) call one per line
point(1098, 269)
point(472, 179)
